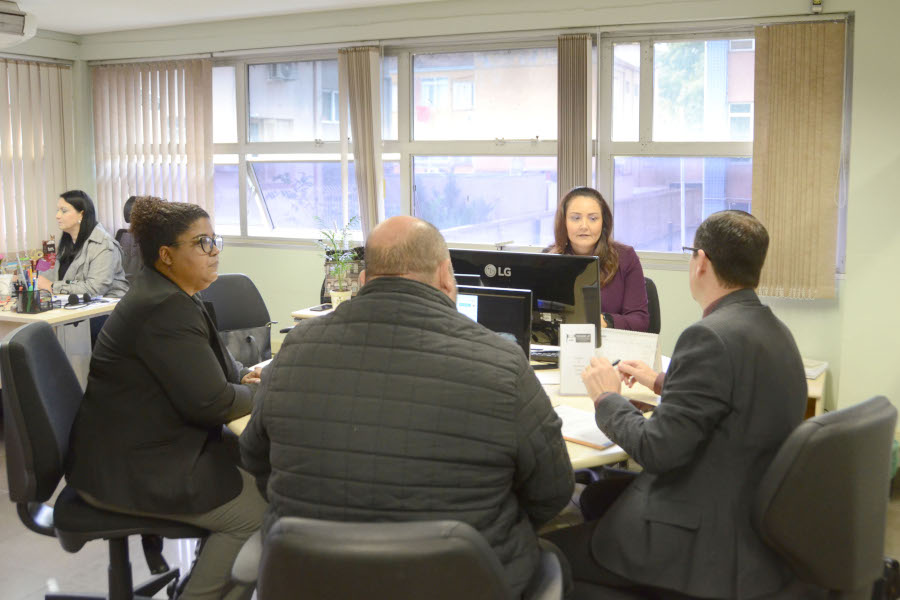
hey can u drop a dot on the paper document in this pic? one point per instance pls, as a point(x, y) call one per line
point(579, 427)
point(621, 344)
point(813, 367)
point(576, 347)
point(262, 364)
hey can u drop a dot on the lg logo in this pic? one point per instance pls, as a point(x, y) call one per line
point(491, 271)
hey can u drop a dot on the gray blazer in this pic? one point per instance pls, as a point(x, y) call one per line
point(95, 270)
point(734, 391)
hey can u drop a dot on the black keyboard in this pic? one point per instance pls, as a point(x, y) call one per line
point(547, 356)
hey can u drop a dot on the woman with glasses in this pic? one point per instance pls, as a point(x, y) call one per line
point(148, 438)
point(88, 259)
point(584, 226)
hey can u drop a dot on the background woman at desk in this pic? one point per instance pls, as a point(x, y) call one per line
point(148, 438)
point(88, 259)
point(584, 226)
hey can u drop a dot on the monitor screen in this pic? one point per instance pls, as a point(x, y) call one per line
point(502, 310)
point(565, 288)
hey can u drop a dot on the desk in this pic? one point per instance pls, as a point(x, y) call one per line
point(815, 396)
point(305, 313)
point(581, 456)
point(75, 340)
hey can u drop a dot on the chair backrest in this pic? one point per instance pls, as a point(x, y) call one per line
point(241, 317)
point(41, 396)
point(238, 303)
point(439, 560)
point(653, 306)
point(822, 502)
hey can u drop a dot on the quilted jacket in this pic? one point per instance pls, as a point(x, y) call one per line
point(396, 407)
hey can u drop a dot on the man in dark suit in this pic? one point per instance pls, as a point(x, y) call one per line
point(734, 390)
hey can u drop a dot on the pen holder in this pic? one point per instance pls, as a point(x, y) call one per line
point(34, 301)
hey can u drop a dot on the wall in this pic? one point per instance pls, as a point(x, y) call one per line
point(857, 332)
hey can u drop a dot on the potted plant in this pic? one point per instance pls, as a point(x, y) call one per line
point(341, 261)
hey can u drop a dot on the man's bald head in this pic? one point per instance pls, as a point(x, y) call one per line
point(405, 247)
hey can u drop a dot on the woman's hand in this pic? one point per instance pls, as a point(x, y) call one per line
point(44, 284)
point(253, 376)
point(635, 370)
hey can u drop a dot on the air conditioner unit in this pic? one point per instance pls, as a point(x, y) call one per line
point(15, 26)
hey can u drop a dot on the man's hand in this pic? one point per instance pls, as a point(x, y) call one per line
point(635, 370)
point(600, 377)
point(252, 376)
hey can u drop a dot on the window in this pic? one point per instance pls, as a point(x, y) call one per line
point(292, 101)
point(680, 149)
point(463, 94)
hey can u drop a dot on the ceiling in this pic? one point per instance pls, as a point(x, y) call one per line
point(82, 17)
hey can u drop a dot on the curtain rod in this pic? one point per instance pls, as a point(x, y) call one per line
point(525, 35)
point(40, 59)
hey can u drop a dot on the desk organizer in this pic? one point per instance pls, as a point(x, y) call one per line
point(33, 302)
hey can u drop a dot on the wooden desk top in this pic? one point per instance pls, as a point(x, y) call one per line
point(581, 456)
point(305, 313)
point(61, 316)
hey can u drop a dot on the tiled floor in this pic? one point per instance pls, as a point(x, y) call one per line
point(32, 565)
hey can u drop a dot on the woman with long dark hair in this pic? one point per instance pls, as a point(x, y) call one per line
point(88, 259)
point(584, 226)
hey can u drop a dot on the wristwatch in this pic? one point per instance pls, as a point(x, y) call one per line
point(609, 320)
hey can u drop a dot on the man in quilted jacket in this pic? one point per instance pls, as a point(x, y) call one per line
point(396, 407)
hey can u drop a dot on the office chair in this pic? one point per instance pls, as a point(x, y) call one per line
point(241, 317)
point(41, 397)
point(653, 306)
point(438, 560)
point(822, 503)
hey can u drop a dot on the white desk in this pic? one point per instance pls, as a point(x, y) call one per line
point(71, 329)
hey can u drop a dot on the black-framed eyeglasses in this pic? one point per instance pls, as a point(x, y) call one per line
point(693, 250)
point(207, 243)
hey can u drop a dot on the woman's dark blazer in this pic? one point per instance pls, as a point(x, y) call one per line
point(148, 435)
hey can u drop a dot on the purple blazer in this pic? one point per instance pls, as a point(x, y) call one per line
point(624, 298)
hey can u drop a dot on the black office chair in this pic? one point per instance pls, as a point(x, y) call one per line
point(653, 306)
point(241, 317)
point(41, 397)
point(822, 503)
point(438, 560)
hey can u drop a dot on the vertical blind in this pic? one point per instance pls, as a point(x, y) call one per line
point(36, 151)
point(153, 134)
point(574, 112)
point(797, 154)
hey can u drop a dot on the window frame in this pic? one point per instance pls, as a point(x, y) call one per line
point(645, 146)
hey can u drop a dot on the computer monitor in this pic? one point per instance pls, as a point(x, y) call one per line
point(502, 310)
point(565, 288)
point(467, 279)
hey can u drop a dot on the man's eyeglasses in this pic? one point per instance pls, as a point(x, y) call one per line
point(694, 250)
point(207, 243)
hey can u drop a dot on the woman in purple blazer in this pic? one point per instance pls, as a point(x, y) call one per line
point(584, 227)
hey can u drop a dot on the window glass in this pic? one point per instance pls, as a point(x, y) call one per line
point(487, 199)
point(626, 89)
point(694, 85)
point(660, 201)
point(285, 197)
point(390, 104)
point(225, 197)
point(507, 94)
point(224, 111)
point(293, 101)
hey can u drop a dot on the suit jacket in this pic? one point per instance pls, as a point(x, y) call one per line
point(148, 435)
point(95, 270)
point(734, 391)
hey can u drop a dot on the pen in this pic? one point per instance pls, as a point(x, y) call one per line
point(615, 362)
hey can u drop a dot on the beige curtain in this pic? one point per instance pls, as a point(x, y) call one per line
point(573, 160)
point(797, 154)
point(360, 68)
point(153, 134)
point(36, 150)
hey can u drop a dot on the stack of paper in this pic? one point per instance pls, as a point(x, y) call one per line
point(813, 367)
point(620, 344)
point(579, 427)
